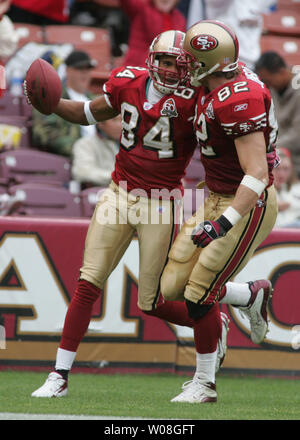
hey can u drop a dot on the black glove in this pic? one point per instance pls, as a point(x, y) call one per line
point(209, 230)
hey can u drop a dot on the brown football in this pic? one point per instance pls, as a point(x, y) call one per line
point(43, 86)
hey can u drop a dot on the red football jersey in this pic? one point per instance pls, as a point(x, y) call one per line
point(240, 107)
point(157, 140)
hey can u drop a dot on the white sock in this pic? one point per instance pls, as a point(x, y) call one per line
point(237, 294)
point(64, 359)
point(205, 366)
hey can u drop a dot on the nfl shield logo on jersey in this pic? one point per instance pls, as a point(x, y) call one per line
point(169, 109)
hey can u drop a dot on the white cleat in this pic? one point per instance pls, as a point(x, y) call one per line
point(256, 311)
point(55, 386)
point(195, 391)
point(222, 343)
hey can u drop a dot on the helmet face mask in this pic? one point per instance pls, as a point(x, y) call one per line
point(209, 46)
point(165, 45)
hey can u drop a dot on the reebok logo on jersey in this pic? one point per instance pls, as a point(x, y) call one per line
point(240, 107)
point(169, 109)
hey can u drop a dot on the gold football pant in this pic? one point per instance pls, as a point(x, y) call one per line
point(199, 274)
point(117, 218)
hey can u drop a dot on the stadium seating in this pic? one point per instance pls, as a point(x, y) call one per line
point(282, 22)
point(15, 122)
point(94, 41)
point(89, 198)
point(75, 34)
point(45, 200)
point(19, 124)
point(100, 53)
point(287, 47)
point(293, 5)
point(29, 33)
point(20, 166)
point(10, 105)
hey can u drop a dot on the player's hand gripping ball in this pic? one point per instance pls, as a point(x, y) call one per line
point(42, 86)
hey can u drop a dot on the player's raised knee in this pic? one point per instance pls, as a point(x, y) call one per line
point(172, 284)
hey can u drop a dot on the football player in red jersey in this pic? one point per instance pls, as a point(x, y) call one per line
point(237, 130)
point(145, 195)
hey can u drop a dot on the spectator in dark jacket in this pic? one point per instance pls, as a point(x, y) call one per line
point(149, 18)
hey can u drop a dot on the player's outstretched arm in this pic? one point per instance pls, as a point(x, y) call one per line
point(78, 113)
point(43, 90)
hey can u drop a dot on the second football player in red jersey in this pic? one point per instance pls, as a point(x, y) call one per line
point(236, 128)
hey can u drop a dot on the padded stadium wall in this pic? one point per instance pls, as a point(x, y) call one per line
point(39, 266)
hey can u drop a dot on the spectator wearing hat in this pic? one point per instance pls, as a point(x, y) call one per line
point(53, 134)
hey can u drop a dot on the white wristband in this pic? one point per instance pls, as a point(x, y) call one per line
point(253, 183)
point(88, 114)
point(232, 215)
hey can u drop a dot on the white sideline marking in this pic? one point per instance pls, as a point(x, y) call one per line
point(24, 416)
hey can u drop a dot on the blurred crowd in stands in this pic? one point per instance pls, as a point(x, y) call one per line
point(85, 39)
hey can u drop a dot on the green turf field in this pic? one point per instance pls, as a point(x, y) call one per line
point(148, 396)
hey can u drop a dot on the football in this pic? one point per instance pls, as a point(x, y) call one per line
point(43, 86)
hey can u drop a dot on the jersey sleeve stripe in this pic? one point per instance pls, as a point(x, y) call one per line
point(263, 115)
point(106, 96)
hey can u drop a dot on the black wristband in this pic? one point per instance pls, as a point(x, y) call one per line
point(225, 223)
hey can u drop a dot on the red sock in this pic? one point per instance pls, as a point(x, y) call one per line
point(172, 311)
point(78, 315)
point(208, 330)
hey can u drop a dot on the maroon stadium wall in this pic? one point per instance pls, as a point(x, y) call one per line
point(39, 266)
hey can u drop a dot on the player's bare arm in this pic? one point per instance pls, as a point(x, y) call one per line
point(74, 111)
point(251, 150)
point(43, 89)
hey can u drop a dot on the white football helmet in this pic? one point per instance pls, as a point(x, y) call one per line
point(209, 46)
point(167, 43)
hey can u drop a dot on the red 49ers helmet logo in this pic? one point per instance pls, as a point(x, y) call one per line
point(204, 42)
